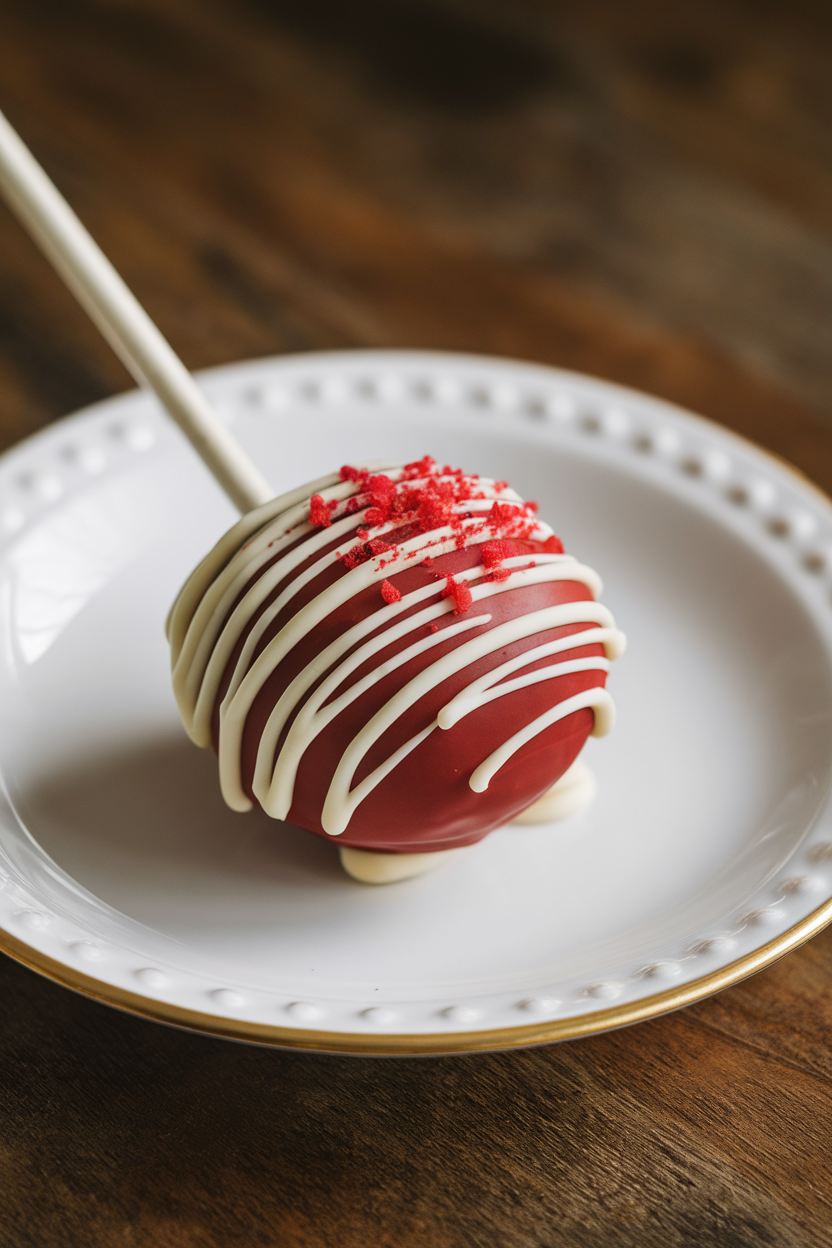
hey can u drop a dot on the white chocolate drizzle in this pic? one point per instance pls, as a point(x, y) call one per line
point(213, 614)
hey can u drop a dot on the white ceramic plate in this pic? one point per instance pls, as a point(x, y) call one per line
point(709, 849)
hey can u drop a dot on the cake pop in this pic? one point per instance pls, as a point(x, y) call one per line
point(397, 658)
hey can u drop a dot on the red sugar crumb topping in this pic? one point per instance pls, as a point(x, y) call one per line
point(493, 553)
point(501, 514)
point(320, 512)
point(427, 498)
point(364, 551)
point(460, 593)
point(389, 592)
point(553, 546)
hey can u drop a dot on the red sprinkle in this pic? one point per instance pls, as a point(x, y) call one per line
point(319, 513)
point(364, 551)
point(427, 498)
point(460, 593)
point(553, 546)
point(389, 592)
point(501, 514)
point(493, 553)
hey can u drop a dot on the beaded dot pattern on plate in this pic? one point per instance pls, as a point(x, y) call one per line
point(39, 476)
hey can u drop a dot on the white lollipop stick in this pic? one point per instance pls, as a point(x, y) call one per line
point(81, 263)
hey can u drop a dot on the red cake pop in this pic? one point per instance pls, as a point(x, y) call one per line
point(402, 659)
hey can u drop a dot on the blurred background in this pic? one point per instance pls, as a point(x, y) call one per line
point(639, 190)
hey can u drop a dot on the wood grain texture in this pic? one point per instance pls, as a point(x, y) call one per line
point(641, 191)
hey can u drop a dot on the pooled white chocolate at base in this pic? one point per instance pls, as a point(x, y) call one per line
point(369, 867)
point(574, 791)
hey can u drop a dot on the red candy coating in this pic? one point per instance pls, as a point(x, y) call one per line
point(425, 803)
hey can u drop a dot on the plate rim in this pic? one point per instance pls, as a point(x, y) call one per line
point(449, 1042)
point(427, 1044)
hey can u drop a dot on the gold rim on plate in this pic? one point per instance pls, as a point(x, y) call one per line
point(436, 1043)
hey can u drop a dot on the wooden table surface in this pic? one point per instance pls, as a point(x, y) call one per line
point(641, 191)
